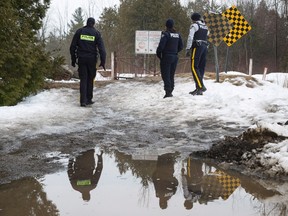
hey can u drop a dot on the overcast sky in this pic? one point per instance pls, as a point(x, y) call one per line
point(67, 7)
point(60, 12)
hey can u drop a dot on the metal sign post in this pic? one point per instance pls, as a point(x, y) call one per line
point(216, 63)
point(226, 60)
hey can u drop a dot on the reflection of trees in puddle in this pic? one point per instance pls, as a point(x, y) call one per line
point(25, 197)
point(160, 172)
point(201, 182)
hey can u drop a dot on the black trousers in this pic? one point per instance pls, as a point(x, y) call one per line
point(198, 63)
point(87, 74)
point(168, 66)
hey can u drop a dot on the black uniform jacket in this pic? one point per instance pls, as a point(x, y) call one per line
point(170, 43)
point(86, 43)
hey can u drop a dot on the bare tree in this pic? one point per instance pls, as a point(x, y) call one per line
point(42, 33)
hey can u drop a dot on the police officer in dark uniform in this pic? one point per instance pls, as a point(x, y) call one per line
point(167, 51)
point(85, 46)
point(197, 50)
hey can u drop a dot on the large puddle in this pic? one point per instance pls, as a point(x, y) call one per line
point(111, 183)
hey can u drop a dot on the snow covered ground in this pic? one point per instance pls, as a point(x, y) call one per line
point(237, 103)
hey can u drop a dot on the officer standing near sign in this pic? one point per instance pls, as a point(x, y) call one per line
point(85, 46)
point(167, 51)
point(197, 50)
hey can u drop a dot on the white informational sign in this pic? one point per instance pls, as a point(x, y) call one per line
point(154, 38)
point(141, 42)
point(146, 42)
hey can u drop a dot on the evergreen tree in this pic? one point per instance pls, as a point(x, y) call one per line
point(107, 25)
point(22, 61)
point(148, 15)
point(199, 6)
point(77, 22)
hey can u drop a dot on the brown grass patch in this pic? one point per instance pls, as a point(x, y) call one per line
point(249, 81)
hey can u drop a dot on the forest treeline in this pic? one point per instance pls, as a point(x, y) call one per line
point(29, 53)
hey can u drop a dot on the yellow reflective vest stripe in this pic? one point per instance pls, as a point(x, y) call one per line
point(87, 37)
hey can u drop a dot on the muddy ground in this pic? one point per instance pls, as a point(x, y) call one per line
point(240, 153)
point(42, 154)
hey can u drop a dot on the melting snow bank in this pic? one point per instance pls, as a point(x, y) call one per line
point(262, 150)
point(274, 156)
point(132, 115)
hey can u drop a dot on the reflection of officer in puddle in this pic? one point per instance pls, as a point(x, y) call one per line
point(192, 182)
point(164, 182)
point(82, 173)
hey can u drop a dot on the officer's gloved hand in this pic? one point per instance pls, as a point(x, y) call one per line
point(73, 60)
point(102, 65)
point(188, 53)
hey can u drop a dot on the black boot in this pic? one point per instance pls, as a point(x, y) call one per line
point(199, 92)
point(204, 89)
point(168, 94)
point(196, 92)
point(193, 92)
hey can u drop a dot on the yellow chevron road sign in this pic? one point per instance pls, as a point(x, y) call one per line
point(219, 26)
point(240, 25)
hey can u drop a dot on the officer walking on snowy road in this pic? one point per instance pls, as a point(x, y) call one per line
point(85, 46)
point(197, 50)
point(167, 51)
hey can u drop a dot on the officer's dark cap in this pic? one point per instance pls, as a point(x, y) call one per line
point(170, 23)
point(90, 21)
point(195, 16)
